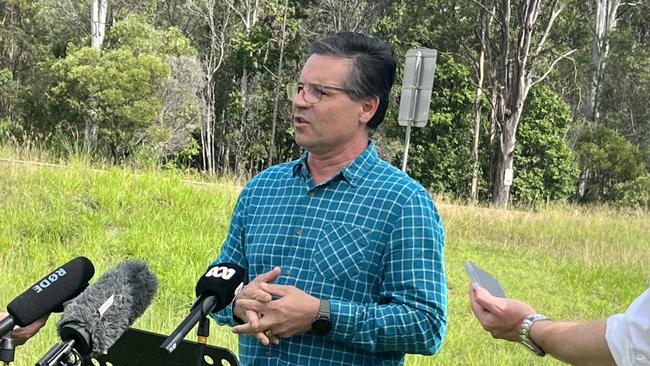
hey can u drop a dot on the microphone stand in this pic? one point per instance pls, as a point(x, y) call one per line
point(199, 311)
point(202, 334)
point(62, 354)
point(7, 349)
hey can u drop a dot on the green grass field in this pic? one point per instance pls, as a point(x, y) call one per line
point(568, 262)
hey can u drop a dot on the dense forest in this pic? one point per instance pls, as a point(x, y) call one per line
point(556, 91)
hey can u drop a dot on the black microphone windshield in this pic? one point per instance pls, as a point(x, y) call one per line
point(223, 281)
point(49, 293)
point(98, 317)
point(215, 290)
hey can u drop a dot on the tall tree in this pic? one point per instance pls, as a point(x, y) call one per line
point(605, 23)
point(216, 19)
point(278, 82)
point(485, 22)
point(98, 10)
point(516, 73)
point(248, 13)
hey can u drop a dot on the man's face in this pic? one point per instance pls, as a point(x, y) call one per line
point(334, 122)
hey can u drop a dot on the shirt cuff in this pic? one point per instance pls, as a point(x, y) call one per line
point(340, 317)
point(235, 317)
point(614, 336)
point(226, 316)
point(344, 317)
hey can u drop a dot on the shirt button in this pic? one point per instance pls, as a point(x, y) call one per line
point(299, 232)
point(310, 194)
point(268, 354)
point(287, 273)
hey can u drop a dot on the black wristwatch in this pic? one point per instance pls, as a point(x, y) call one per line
point(322, 325)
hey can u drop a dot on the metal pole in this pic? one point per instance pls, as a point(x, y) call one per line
point(414, 98)
point(7, 349)
point(406, 145)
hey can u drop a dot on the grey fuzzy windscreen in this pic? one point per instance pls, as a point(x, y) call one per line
point(107, 308)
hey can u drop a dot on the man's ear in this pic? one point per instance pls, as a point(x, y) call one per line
point(369, 107)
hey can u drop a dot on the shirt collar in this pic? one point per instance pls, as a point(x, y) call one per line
point(353, 173)
point(300, 166)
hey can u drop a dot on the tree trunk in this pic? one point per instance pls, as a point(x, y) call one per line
point(242, 121)
point(582, 183)
point(500, 191)
point(98, 25)
point(99, 8)
point(605, 24)
point(485, 25)
point(501, 194)
point(477, 131)
point(223, 153)
point(278, 84)
point(505, 161)
point(208, 146)
point(492, 137)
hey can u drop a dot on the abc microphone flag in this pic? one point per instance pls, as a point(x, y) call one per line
point(215, 290)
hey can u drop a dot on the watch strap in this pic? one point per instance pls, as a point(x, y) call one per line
point(324, 310)
point(524, 333)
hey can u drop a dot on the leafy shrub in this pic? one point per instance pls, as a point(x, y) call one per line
point(635, 194)
point(545, 167)
point(607, 160)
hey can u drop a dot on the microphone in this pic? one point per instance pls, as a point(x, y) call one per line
point(48, 294)
point(215, 290)
point(97, 318)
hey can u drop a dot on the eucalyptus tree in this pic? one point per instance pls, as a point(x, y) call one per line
point(521, 61)
point(624, 99)
point(605, 15)
point(216, 19)
point(98, 10)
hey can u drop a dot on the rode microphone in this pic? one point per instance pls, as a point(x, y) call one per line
point(97, 318)
point(48, 294)
point(215, 290)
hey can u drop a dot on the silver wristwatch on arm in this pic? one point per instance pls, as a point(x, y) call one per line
point(524, 333)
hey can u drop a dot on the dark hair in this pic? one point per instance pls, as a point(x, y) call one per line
point(373, 67)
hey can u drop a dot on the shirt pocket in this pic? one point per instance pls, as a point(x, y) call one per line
point(340, 252)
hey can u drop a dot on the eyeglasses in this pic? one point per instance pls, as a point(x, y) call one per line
point(312, 93)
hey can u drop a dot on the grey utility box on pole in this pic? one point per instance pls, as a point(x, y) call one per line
point(419, 68)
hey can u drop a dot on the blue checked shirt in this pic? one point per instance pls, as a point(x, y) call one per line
point(370, 240)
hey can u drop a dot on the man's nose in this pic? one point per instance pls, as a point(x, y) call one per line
point(299, 100)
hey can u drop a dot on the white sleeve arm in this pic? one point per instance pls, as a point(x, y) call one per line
point(628, 335)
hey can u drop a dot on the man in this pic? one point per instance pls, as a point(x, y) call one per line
point(344, 251)
point(622, 339)
point(21, 335)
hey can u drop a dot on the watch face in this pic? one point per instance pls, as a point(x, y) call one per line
point(321, 326)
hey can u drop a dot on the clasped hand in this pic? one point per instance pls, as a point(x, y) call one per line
point(268, 319)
